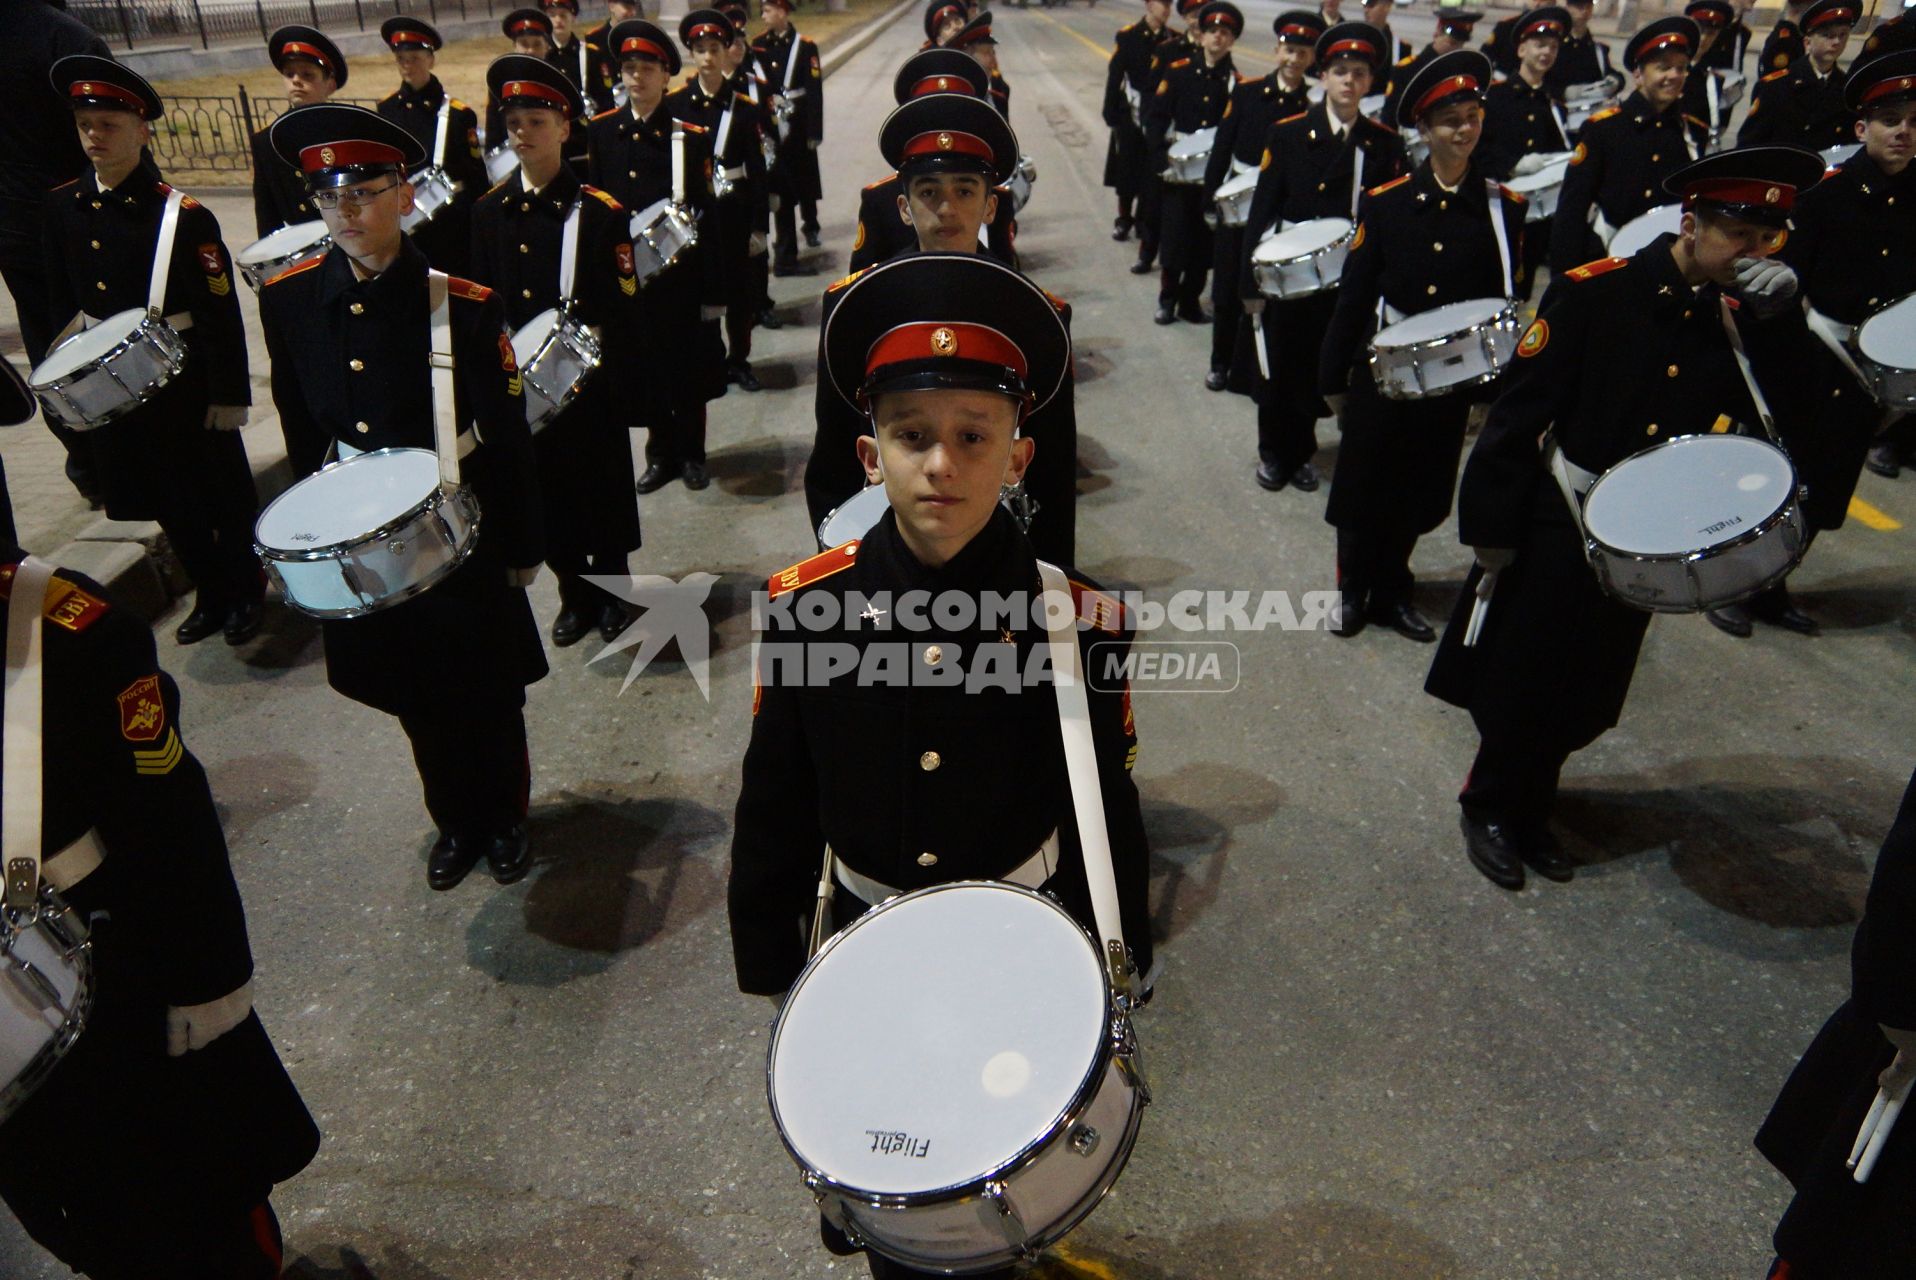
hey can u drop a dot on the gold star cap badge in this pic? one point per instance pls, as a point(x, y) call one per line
point(944, 82)
point(944, 142)
point(944, 342)
point(326, 155)
point(1772, 195)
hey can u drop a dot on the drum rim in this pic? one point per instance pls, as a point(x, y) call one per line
point(1350, 230)
point(819, 533)
point(325, 237)
point(1559, 159)
point(590, 356)
point(460, 554)
point(1505, 318)
point(1118, 1033)
point(145, 324)
point(1856, 335)
point(53, 906)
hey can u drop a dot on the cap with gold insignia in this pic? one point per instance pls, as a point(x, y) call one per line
point(706, 24)
point(1674, 34)
point(1461, 75)
point(939, 71)
point(1188, 7)
point(521, 80)
point(1221, 15)
point(335, 144)
point(945, 321)
point(403, 33)
point(1881, 82)
point(1458, 23)
point(737, 14)
point(1298, 26)
point(949, 133)
point(1710, 13)
point(1358, 40)
point(289, 43)
point(939, 12)
point(1753, 184)
point(1552, 20)
point(1827, 14)
point(527, 22)
point(88, 81)
point(976, 32)
point(637, 38)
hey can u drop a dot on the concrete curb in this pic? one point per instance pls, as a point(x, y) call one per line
point(856, 43)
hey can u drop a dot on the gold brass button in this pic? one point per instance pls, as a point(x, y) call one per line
point(523, 206)
point(358, 308)
point(631, 173)
point(1438, 247)
point(96, 244)
point(929, 761)
point(1671, 371)
point(100, 285)
point(1430, 289)
point(96, 204)
point(1654, 159)
point(933, 655)
point(1320, 186)
point(927, 859)
point(525, 293)
point(361, 428)
point(1651, 430)
point(525, 248)
point(356, 365)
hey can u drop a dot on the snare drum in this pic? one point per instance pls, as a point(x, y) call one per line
point(1020, 182)
point(281, 251)
point(555, 354)
point(1645, 227)
point(661, 233)
point(995, 1104)
point(1445, 349)
point(1189, 156)
point(109, 370)
point(1694, 523)
point(1303, 259)
point(366, 533)
point(1730, 86)
point(1541, 189)
point(46, 993)
point(1233, 199)
point(1581, 101)
point(853, 518)
point(500, 163)
point(1885, 346)
point(1833, 157)
point(432, 191)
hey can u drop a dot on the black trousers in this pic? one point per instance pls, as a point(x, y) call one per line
point(680, 441)
point(1513, 782)
point(1375, 563)
point(217, 555)
point(1149, 215)
point(740, 319)
point(1228, 316)
point(786, 218)
point(473, 765)
point(574, 591)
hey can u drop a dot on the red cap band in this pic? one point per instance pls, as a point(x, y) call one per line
point(352, 153)
point(534, 89)
point(1364, 47)
point(708, 29)
point(1548, 27)
point(1771, 195)
point(1669, 40)
point(419, 38)
point(972, 36)
point(1706, 18)
point(940, 84)
point(300, 49)
point(1901, 84)
point(524, 25)
point(946, 142)
point(938, 14)
point(1297, 29)
point(639, 44)
point(102, 89)
point(931, 340)
point(1832, 18)
point(1443, 89)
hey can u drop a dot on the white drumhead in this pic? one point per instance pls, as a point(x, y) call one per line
point(85, 347)
point(1836, 155)
point(1551, 175)
point(1441, 322)
point(649, 215)
point(282, 243)
point(1195, 145)
point(532, 335)
point(348, 500)
point(854, 517)
point(1688, 494)
point(1889, 336)
point(1644, 228)
point(953, 1026)
point(1238, 185)
point(1302, 240)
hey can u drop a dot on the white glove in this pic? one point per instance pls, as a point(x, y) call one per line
point(522, 577)
point(1495, 559)
point(1254, 306)
point(1766, 284)
point(195, 1026)
point(1532, 163)
point(1903, 1066)
point(712, 312)
point(225, 417)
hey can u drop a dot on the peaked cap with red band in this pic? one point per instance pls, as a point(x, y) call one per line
point(1352, 40)
point(88, 81)
point(637, 38)
point(526, 22)
point(1754, 184)
point(1674, 34)
point(1710, 13)
point(521, 80)
point(1881, 81)
point(939, 11)
point(1831, 13)
point(1446, 78)
point(706, 24)
point(1298, 26)
point(1551, 20)
point(939, 71)
point(949, 133)
point(1221, 13)
point(946, 321)
point(410, 33)
point(1458, 22)
point(977, 31)
point(308, 43)
point(572, 5)
point(335, 143)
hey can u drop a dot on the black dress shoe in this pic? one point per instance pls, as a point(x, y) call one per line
point(1304, 479)
point(1731, 620)
point(811, 238)
point(1121, 229)
point(1269, 477)
point(1350, 615)
point(510, 855)
point(1192, 313)
point(1790, 618)
point(612, 621)
point(741, 375)
point(1214, 380)
point(1490, 850)
point(1142, 267)
point(204, 621)
point(695, 475)
point(1543, 853)
point(1406, 622)
point(243, 621)
point(1164, 314)
point(569, 627)
point(1882, 460)
point(450, 861)
point(655, 477)
point(768, 319)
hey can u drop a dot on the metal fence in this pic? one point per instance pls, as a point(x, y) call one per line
point(131, 23)
point(215, 134)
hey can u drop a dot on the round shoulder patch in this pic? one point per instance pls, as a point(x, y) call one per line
point(1535, 338)
point(1577, 156)
point(1357, 240)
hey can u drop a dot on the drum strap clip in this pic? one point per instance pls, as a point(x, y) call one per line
point(22, 759)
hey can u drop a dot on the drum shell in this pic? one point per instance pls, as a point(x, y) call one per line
point(1302, 276)
point(1233, 201)
point(433, 190)
point(1441, 366)
point(33, 1039)
point(1189, 157)
point(257, 271)
point(661, 234)
point(1709, 578)
point(500, 162)
point(116, 383)
point(556, 371)
point(1540, 200)
point(1893, 386)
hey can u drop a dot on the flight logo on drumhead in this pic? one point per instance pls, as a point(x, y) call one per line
point(1535, 338)
point(944, 342)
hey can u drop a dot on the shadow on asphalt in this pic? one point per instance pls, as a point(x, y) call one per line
point(1190, 817)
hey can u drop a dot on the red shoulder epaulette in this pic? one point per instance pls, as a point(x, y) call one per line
point(836, 285)
point(1517, 196)
point(694, 128)
point(613, 112)
point(1604, 114)
point(499, 185)
point(1406, 61)
point(470, 290)
point(1777, 75)
point(1299, 116)
point(290, 272)
point(1394, 182)
point(606, 197)
point(1098, 608)
point(1701, 124)
point(457, 105)
point(1591, 270)
point(1181, 62)
point(1059, 303)
point(67, 607)
point(886, 181)
point(819, 567)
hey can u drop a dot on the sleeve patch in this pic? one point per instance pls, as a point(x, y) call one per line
point(1580, 154)
point(210, 260)
point(1535, 338)
point(157, 762)
point(142, 710)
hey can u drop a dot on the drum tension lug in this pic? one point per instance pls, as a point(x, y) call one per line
point(1084, 1139)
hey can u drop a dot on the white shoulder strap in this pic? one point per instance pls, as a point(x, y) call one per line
point(439, 134)
point(163, 255)
point(791, 63)
point(1081, 764)
point(569, 252)
point(23, 762)
point(1357, 174)
point(445, 431)
point(678, 162)
point(724, 128)
point(1494, 191)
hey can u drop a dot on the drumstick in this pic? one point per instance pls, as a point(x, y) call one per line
point(1892, 1106)
point(1257, 340)
point(1864, 1134)
point(1480, 608)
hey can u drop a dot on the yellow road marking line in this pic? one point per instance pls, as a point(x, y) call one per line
point(1873, 517)
point(1061, 1264)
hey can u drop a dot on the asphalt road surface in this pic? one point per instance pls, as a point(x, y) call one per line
point(1368, 1061)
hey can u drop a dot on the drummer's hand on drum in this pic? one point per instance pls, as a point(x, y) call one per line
point(1530, 164)
point(1495, 559)
point(1254, 306)
point(195, 1026)
point(225, 417)
point(522, 577)
point(1903, 1066)
point(1765, 283)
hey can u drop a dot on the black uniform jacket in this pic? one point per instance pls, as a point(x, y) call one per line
point(834, 473)
point(1835, 1226)
point(1556, 656)
point(998, 89)
point(1782, 47)
point(119, 1121)
point(1581, 59)
point(160, 459)
point(883, 233)
point(1897, 33)
point(39, 148)
point(1306, 172)
point(447, 238)
point(1130, 67)
point(1519, 121)
point(1798, 108)
point(921, 785)
point(600, 73)
point(1621, 159)
point(280, 195)
point(1189, 96)
point(585, 454)
point(795, 175)
point(1254, 107)
point(350, 363)
point(726, 229)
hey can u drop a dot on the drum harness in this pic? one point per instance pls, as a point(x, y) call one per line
point(782, 115)
point(1087, 801)
point(449, 442)
point(1357, 194)
point(725, 180)
point(162, 268)
point(1389, 315)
